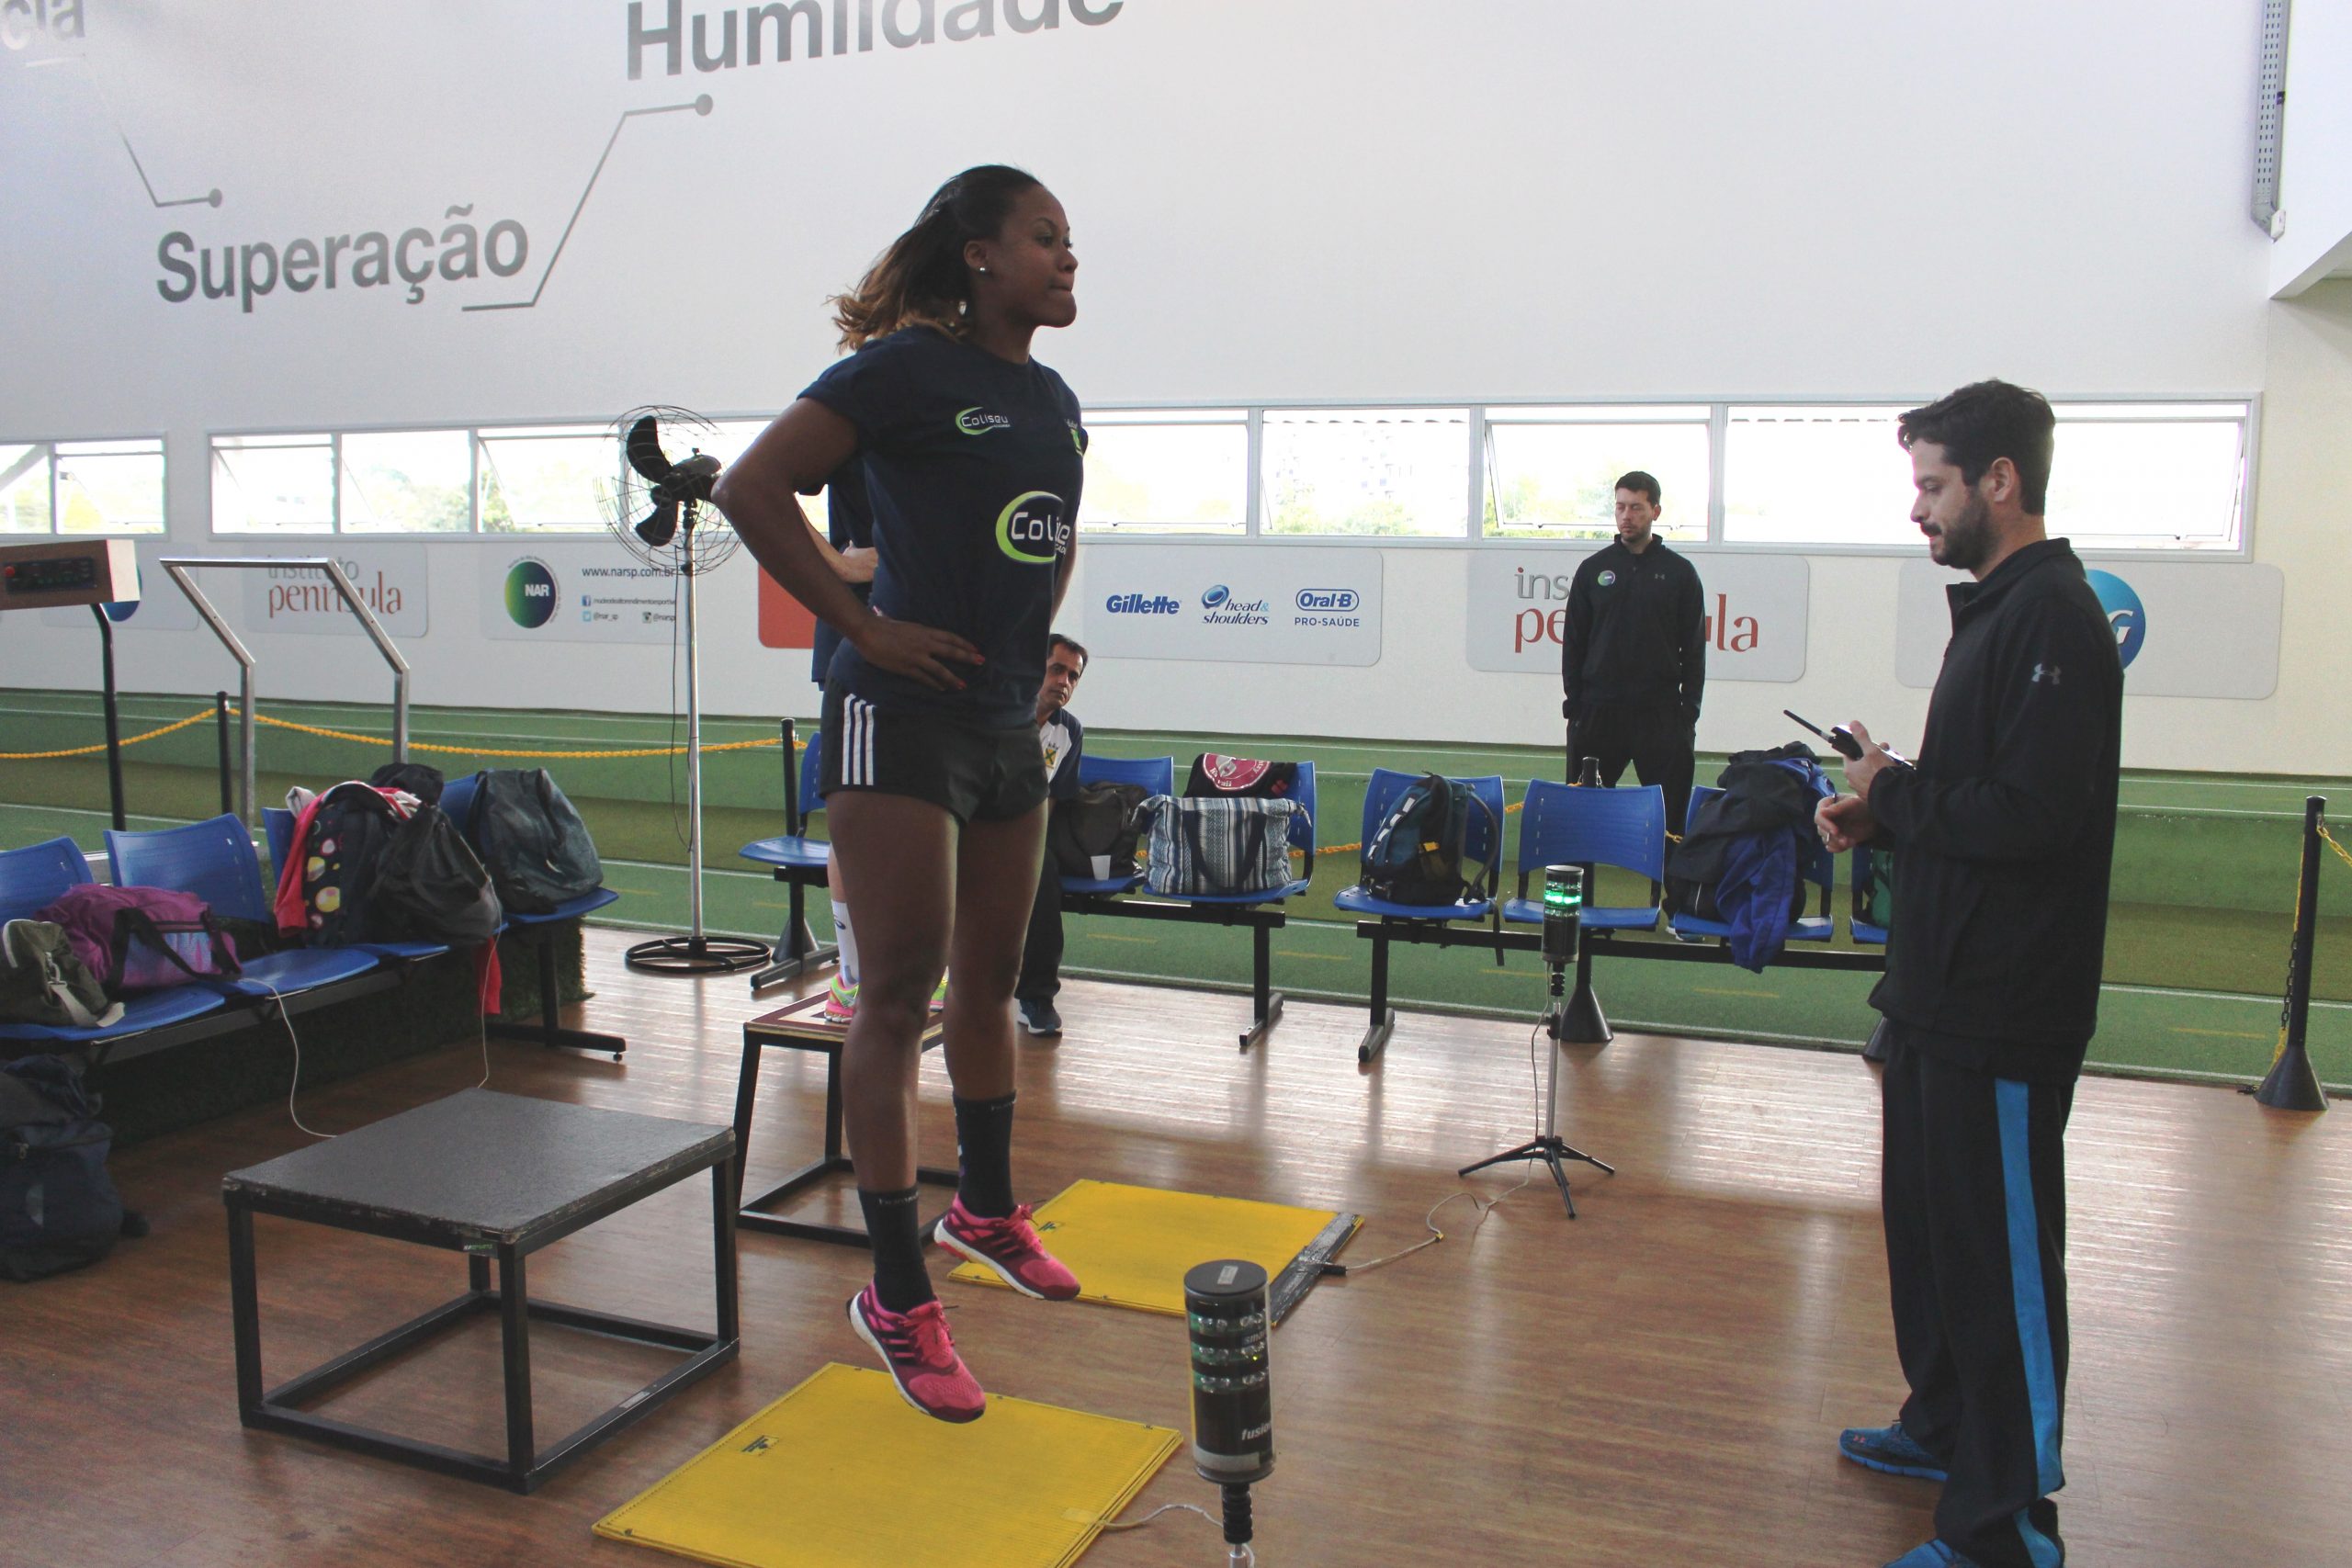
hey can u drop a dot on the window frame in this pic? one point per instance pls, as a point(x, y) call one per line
point(1481, 414)
point(49, 445)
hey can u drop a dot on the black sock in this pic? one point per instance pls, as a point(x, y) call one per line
point(900, 1281)
point(984, 1155)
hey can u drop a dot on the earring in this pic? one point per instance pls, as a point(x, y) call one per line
point(984, 272)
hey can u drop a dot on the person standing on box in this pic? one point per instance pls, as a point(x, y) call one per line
point(974, 457)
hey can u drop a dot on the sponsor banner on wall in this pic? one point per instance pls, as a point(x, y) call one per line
point(391, 578)
point(2183, 628)
point(1253, 605)
point(578, 593)
point(1756, 605)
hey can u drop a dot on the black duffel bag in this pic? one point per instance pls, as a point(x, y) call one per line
point(1093, 833)
point(430, 886)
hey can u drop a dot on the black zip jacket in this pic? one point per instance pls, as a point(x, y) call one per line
point(2005, 830)
point(1639, 638)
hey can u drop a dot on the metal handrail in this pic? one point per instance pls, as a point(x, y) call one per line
point(177, 567)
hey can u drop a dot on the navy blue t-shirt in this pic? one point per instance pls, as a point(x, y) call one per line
point(973, 466)
point(849, 524)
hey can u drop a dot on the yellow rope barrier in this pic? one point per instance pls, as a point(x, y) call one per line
point(196, 718)
point(490, 752)
point(2344, 854)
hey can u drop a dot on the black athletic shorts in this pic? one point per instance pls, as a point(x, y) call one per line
point(979, 775)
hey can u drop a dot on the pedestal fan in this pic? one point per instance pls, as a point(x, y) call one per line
point(661, 511)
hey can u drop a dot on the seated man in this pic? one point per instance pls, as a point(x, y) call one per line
point(1063, 739)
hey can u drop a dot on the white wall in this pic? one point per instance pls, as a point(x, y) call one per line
point(2315, 163)
point(1327, 198)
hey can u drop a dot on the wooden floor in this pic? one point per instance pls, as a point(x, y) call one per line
point(1658, 1383)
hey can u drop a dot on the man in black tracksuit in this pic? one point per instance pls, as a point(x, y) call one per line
point(2002, 834)
point(1633, 654)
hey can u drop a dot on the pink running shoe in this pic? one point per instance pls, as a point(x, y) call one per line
point(840, 1001)
point(921, 1358)
point(1010, 1247)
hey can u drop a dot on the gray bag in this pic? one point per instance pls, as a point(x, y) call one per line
point(1239, 844)
point(43, 980)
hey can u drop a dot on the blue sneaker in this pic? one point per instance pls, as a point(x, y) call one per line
point(1889, 1449)
point(1932, 1554)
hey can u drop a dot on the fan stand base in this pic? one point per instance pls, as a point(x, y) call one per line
point(693, 955)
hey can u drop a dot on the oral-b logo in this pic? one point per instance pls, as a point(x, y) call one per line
point(1141, 604)
point(1329, 599)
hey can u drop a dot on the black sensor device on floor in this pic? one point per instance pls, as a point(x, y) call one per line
point(1839, 736)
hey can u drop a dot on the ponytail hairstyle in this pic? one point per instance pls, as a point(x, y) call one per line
point(921, 280)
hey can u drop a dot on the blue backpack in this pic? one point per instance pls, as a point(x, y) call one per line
point(59, 1209)
point(1419, 853)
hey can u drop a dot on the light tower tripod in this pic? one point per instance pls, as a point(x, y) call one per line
point(1548, 1146)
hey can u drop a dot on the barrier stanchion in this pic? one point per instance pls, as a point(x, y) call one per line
point(221, 727)
point(2291, 1084)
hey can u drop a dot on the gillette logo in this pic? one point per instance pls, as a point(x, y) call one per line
point(1141, 604)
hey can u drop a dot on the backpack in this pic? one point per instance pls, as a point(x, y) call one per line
point(142, 938)
point(59, 1209)
point(340, 855)
point(1214, 776)
point(429, 887)
point(533, 842)
point(43, 980)
point(1093, 833)
point(1419, 853)
point(1218, 846)
point(418, 779)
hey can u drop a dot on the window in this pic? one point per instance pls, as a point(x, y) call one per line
point(1551, 472)
point(1380, 472)
point(2150, 475)
point(1817, 476)
point(1166, 471)
point(273, 484)
point(405, 482)
point(82, 487)
point(547, 478)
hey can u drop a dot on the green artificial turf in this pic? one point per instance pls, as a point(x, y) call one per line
point(2203, 889)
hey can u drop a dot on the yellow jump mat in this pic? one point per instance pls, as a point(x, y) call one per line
point(1130, 1245)
point(842, 1473)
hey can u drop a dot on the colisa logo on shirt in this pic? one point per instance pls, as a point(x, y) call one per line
point(1607, 580)
point(2125, 615)
point(1031, 530)
point(979, 421)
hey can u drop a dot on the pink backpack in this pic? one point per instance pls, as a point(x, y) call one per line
point(142, 938)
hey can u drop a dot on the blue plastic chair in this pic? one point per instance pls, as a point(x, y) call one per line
point(1481, 842)
point(30, 880)
point(1561, 825)
point(794, 850)
point(1153, 775)
point(278, 830)
point(797, 861)
point(214, 861)
point(1820, 869)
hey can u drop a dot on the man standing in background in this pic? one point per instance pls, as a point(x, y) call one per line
point(1064, 739)
point(2003, 834)
point(1633, 654)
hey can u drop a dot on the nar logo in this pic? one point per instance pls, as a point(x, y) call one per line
point(1141, 604)
point(979, 421)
